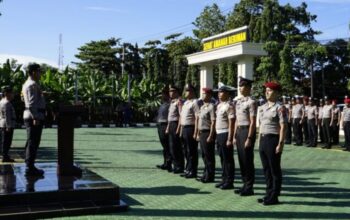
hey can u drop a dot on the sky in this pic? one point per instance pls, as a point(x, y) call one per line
point(31, 28)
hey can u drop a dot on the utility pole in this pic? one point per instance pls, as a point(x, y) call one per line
point(312, 78)
point(60, 53)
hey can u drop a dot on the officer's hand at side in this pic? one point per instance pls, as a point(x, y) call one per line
point(35, 122)
point(229, 144)
point(279, 149)
point(247, 143)
point(209, 139)
point(167, 131)
point(234, 141)
point(197, 138)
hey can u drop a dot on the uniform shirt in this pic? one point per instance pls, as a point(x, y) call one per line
point(206, 115)
point(174, 110)
point(188, 112)
point(335, 112)
point(320, 112)
point(271, 118)
point(34, 101)
point(245, 108)
point(312, 112)
point(297, 111)
point(327, 111)
point(163, 112)
point(288, 108)
point(346, 114)
point(7, 114)
point(224, 112)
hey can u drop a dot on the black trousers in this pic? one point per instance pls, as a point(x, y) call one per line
point(312, 132)
point(347, 134)
point(6, 141)
point(33, 140)
point(288, 139)
point(297, 131)
point(306, 132)
point(175, 146)
point(191, 146)
point(226, 157)
point(164, 140)
point(208, 154)
point(271, 163)
point(245, 157)
point(327, 132)
point(335, 133)
point(320, 130)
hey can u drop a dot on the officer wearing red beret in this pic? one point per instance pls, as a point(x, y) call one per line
point(305, 120)
point(273, 124)
point(335, 120)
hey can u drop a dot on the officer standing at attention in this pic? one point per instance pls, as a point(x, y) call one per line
point(7, 123)
point(205, 123)
point(326, 123)
point(305, 120)
point(187, 120)
point(287, 103)
point(298, 114)
point(225, 122)
point(345, 120)
point(34, 116)
point(273, 123)
point(320, 116)
point(245, 136)
point(162, 122)
point(335, 120)
point(312, 115)
point(173, 129)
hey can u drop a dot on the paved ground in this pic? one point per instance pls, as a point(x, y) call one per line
point(316, 182)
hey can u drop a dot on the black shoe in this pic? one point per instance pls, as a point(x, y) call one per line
point(261, 200)
point(177, 170)
point(208, 180)
point(7, 160)
point(238, 191)
point(191, 175)
point(247, 193)
point(270, 202)
point(184, 174)
point(169, 168)
point(162, 167)
point(218, 185)
point(33, 171)
point(200, 179)
point(226, 186)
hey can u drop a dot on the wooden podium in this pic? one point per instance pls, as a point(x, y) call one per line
point(66, 120)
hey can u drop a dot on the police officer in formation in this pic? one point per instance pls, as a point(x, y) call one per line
point(173, 130)
point(224, 126)
point(335, 121)
point(326, 123)
point(7, 123)
point(205, 123)
point(305, 120)
point(298, 114)
point(288, 104)
point(345, 120)
point(273, 124)
point(162, 122)
point(312, 115)
point(320, 116)
point(188, 132)
point(245, 135)
point(33, 115)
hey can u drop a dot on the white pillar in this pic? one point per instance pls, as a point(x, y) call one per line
point(245, 69)
point(206, 77)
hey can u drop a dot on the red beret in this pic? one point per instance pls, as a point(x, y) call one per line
point(306, 98)
point(273, 85)
point(207, 90)
point(335, 101)
point(347, 101)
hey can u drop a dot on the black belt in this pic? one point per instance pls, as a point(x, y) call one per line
point(162, 123)
point(205, 130)
point(269, 135)
point(187, 126)
point(242, 126)
point(41, 110)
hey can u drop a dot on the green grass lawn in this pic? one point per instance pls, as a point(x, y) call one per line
point(316, 182)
